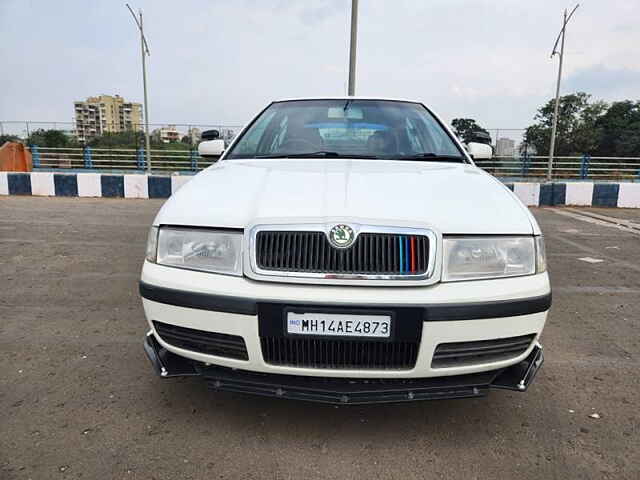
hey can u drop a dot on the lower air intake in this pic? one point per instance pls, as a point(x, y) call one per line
point(461, 354)
point(210, 343)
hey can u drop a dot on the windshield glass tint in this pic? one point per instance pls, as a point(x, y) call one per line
point(345, 128)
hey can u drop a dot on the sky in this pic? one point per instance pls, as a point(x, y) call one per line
point(220, 62)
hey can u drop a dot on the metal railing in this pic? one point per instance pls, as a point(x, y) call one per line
point(89, 158)
point(526, 166)
point(575, 167)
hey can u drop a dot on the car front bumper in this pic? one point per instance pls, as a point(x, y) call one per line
point(451, 312)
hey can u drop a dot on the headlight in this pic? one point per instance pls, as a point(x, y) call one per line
point(488, 257)
point(201, 249)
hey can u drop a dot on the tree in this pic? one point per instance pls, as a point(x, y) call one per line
point(619, 130)
point(8, 138)
point(50, 138)
point(578, 130)
point(132, 139)
point(467, 130)
point(126, 139)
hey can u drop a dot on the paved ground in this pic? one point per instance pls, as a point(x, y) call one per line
point(629, 214)
point(78, 398)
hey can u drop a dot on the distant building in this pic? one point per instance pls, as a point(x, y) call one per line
point(505, 147)
point(166, 134)
point(106, 114)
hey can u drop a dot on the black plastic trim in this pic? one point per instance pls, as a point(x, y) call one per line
point(494, 309)
point(200, 301)
point(347, 391)
point(445, 312)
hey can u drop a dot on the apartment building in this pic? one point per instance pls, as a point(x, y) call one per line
point(505, 147)
point(167, 134)
point(106, 114)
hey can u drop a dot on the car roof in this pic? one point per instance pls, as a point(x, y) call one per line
point(338, 97)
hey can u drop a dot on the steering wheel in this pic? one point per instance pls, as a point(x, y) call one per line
point(300, 141)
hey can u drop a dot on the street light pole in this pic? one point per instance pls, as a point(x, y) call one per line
point(144, 48)
point(561, 37)
point(352, 48)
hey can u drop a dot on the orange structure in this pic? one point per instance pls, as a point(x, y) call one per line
point(14, 157)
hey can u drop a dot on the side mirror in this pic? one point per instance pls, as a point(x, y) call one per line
point(210, 135)
point(211, 148)
point(479, 151)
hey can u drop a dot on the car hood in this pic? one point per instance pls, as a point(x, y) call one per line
point(451, 198)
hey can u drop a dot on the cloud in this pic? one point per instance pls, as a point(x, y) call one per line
point(319, 11)
point(221, 61)
point(606, 83)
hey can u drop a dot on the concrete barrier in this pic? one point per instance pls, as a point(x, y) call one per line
point(594, 194)
point(589, 194)
point(90, 184)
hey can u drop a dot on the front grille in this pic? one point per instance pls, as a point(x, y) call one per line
point(370, 254)
point(219, 344)
point(459, 354)
point(339, 354)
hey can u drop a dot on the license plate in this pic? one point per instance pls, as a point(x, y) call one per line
point(339, 325)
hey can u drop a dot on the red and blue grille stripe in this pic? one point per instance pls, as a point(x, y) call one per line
point(407, 253)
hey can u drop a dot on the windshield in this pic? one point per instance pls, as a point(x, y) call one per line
point(346, 128)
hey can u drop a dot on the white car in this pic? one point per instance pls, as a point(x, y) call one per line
point(346, 250)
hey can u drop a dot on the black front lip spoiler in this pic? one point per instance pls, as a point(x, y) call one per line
point(342, 391)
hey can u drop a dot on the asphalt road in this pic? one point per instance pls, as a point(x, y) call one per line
point(78, 398)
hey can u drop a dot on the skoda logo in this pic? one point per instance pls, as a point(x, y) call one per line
point(341, 236)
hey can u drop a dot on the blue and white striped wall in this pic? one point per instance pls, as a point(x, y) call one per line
point(589, 194)
point(155, 186)
point(90, 184)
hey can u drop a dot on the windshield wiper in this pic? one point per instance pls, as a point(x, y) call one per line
point(320, 153)
point(431, 157)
